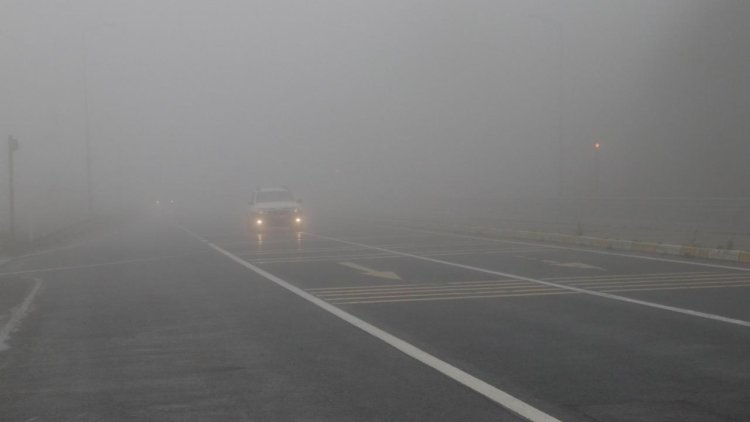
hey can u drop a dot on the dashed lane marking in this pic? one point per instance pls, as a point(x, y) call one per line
point(551, 292)
point(506, 282)
point(498, 289)
point(587, 281)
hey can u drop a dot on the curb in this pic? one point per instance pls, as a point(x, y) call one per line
point(685, 251)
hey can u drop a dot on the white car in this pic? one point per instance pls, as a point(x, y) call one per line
point(275, 207)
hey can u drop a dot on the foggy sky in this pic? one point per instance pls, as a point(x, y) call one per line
point(377, 100)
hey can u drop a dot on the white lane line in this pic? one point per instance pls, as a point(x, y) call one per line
point(405, 295)
point(560, 286)
point(292, 253)
point(570, 248)
point(103, 264)
point(685, 281)
point(437, 299)
point(383, 236)
point(322, 258)
point(497, 290)
point(17, 315)
point(335, 258)
point(418, 286)
point(645, 276)
point(548, 292)
point(498, 396)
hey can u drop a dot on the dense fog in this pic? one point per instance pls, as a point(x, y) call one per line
point(381, 104)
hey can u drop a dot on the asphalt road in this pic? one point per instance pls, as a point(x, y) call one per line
point(356, 321)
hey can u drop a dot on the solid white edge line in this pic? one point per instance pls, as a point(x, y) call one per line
point(496, 395)
point(560, 286)
point(17, 315)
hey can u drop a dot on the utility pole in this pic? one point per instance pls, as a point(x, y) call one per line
point(89, 159)
point(87, 133)
point(560, 109)
point(12, 148)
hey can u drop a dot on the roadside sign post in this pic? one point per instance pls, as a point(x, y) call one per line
point(597, 151)
point(12, 148)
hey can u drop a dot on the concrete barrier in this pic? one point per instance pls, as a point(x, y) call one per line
point(687, 251)
point(629, 245)
point(724, 254)
point(666, 249)
point(622, 245)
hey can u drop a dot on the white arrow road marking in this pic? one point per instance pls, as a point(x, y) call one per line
point(579, 265)
point(390, 275)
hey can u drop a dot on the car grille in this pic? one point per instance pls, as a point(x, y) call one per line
point(279, 213)
point(279, 217)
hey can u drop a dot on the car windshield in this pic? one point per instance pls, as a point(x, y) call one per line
point(274, 196)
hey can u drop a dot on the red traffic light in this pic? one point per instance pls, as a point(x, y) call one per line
point(598, 146)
